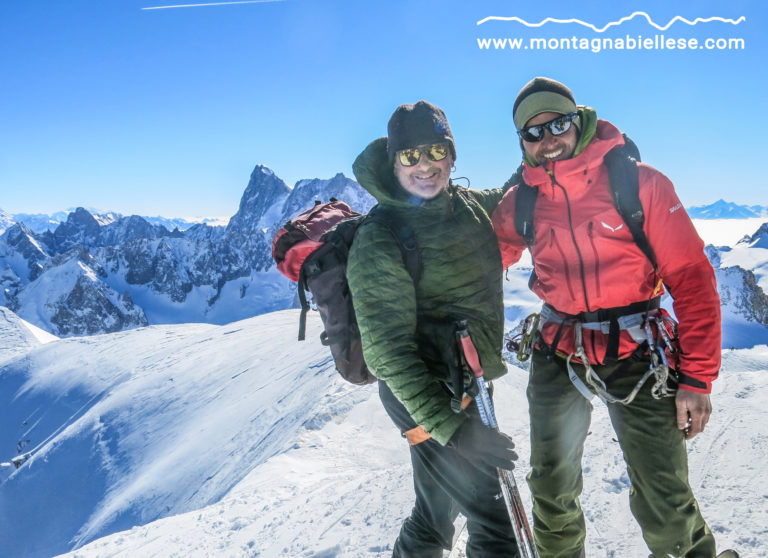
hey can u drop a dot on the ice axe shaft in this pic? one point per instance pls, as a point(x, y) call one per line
point(519, 519)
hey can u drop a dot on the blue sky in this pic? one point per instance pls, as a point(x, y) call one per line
point(106, 105)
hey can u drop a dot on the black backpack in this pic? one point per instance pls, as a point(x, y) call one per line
point(317, 243)
point(621, 163)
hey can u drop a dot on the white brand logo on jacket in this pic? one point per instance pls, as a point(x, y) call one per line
point(673, 209)
point(610, 228)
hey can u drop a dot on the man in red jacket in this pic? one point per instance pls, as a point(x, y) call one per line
point(600, 292)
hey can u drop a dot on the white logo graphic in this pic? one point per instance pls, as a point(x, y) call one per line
point(675, 208)
point(610, 228)
point(614, 23)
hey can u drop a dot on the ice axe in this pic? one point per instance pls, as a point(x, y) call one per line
point(520, 525)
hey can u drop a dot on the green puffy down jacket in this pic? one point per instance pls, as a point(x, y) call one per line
point(406, 328)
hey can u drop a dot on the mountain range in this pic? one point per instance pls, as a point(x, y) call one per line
point(105, 272)
point(722, 209)
point(41, 222)
point(90, 276)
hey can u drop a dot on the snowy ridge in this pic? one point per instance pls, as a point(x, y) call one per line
point(6, 220)
point(38, 222)
point(41, 222)
point(17, 337)
point(742, 278)
point(72, 299)
point(123, 429)
point(231, 441)
point(759, 239)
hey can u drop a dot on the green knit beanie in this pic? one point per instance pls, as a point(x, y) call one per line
point(540, 95)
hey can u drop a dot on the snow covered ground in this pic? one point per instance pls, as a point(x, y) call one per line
point(17, 336)
point(199, 440)
point(238, 441)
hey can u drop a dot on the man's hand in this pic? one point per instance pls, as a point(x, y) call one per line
point(482, 445)
point(693, 410)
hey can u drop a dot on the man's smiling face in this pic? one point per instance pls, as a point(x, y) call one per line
point(427, 178)
point(550, 148)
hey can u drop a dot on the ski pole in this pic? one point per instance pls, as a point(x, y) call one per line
point(515, 508)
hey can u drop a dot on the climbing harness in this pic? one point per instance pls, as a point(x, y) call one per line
point(652, 326)
point(658, 346)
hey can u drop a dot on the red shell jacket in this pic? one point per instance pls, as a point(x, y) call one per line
point(586, 259)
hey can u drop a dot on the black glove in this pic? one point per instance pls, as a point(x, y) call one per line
point(481, 444)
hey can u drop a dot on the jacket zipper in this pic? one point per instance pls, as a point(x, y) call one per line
point(551, 173)
point(565, 262)
point(590, 233)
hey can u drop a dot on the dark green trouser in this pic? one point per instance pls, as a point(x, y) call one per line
point(446, 484)
point(654, 449)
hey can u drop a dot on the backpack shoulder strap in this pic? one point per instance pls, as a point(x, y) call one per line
point(524, 204)
point(403, 234)
point(625, 189)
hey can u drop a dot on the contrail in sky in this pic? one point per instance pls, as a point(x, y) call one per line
point(210, 4)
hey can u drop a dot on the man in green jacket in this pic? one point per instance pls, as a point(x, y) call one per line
point(407, 329)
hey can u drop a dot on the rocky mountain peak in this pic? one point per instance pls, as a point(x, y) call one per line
point(20, 239)
point(125, 229)
point(340, 187)
point(17, 233)
point(79, 228)
point(760, 238)
point(741, 295)
point(264, 190)
point(82, 218)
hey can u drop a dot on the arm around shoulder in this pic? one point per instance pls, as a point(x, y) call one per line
point(511, 244)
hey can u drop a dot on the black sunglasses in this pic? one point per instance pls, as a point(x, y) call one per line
point(434, 152)
point(556, 127)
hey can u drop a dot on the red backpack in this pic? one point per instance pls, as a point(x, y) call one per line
point(312, 249)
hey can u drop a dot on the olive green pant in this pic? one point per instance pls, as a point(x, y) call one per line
point(654, 449)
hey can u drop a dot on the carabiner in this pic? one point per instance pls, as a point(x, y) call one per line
point(528, 337)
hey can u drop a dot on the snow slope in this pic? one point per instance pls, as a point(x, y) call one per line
point(342, 491)
point(17, 336)
point(227, 441)
point(124, 429)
